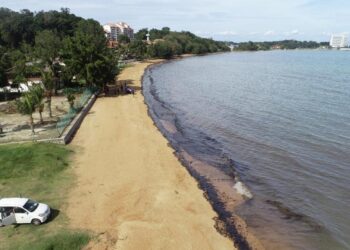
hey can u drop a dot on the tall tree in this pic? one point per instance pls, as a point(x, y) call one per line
point(87, 55)
point(47, 49)
point(159, 34)
point(138, 49)
point(123, 39)
point(46, 78)
point(17, 27)
point(18, 70)
point(39, 94)
point(141, 34)
point(26, 105)
point(161, 49)
point(21, 27)
point(4, 67)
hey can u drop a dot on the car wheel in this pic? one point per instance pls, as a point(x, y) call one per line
point(36, 222)
point(1, 225)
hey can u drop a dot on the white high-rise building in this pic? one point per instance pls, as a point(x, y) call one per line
point(113, 30)
point(339, 41)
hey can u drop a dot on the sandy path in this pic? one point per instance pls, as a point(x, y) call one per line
point(131, 190)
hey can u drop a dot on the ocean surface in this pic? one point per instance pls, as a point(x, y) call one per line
point(280, 120)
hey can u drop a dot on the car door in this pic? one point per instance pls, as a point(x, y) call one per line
point(7, 216)
point(22, 216)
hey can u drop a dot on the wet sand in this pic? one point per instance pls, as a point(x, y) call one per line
point(130, 188)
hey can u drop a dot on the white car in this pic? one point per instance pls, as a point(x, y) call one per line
point(22, 211)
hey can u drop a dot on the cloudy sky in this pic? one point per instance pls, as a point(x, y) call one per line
point(236, 20)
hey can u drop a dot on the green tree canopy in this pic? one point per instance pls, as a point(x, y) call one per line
point(87, 55)
point(159, 34)
point(138, 49)
point(47, 47)
point(39, 94)
point(5, 65)
point(285, 44)
point(48, 83)
point(141, 34)
point(21, 27)
point(16, 28)
point(123, 38)
point(161, 49)
point(179, 42)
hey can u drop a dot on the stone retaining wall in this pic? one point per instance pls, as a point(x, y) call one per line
point(70, 131)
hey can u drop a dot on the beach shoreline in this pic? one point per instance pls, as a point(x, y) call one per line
point(135, 192)
point(223, 196)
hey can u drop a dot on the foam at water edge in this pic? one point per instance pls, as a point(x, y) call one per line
point(242, 190)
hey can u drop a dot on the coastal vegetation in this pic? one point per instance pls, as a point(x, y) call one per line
point(39, 171)
point(68, 49)
point(29, 102)
point(285, 44)
point(166, 44)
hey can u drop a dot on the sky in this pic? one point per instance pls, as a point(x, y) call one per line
point(229, 20)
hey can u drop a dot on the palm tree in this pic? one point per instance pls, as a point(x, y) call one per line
point(69, 93)
point(38, 93)
point(26, 105)
point(47, 80)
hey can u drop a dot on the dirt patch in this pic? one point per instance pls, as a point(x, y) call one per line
point(16, 126)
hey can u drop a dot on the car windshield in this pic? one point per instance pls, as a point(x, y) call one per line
point(31, 205)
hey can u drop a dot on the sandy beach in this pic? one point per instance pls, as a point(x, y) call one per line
point(131, 190)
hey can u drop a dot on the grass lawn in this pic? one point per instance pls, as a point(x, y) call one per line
point(39, 171)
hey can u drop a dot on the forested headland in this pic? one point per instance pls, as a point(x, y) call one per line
point(285, 44)
point(166, 44)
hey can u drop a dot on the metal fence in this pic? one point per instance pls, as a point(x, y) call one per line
point(66, 119)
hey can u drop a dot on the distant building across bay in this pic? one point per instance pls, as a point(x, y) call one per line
point(339, 41)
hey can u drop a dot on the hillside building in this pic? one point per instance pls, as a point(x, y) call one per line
point(113, 30)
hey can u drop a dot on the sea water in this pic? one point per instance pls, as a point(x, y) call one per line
point(281, 119)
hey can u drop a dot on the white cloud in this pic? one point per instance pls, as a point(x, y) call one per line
point(201, 33)
point(291, 33)
point(269, 33)
point(254, 33)
point(226, 33)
